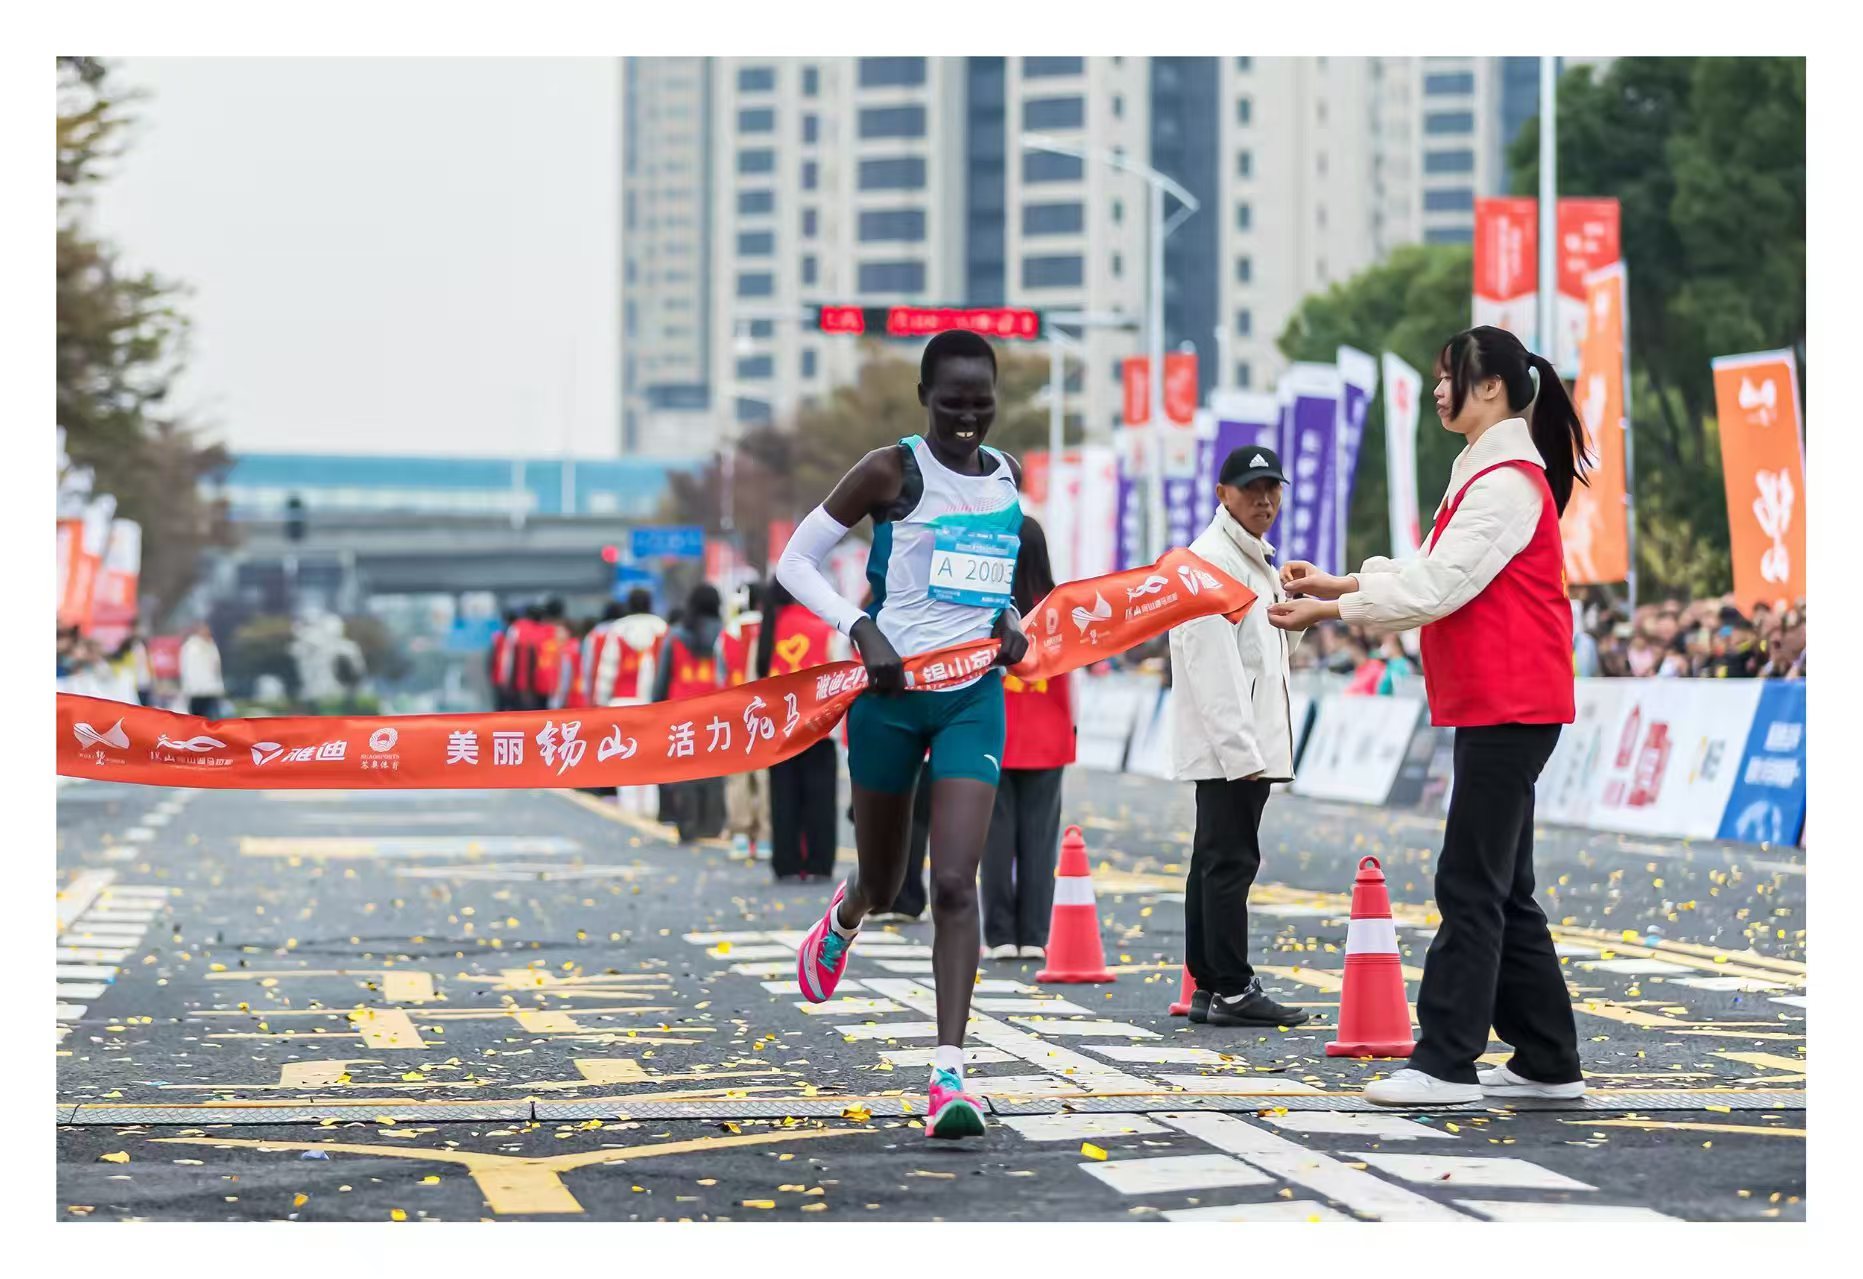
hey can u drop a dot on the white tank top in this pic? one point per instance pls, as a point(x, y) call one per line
point(944, 555)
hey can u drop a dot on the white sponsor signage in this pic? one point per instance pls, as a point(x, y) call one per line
point(1110, 707)
point(1669, 758)
point(1356, 747)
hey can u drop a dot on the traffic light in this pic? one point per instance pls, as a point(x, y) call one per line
point(294, 518)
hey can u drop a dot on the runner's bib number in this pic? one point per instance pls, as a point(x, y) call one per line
point(976, 567)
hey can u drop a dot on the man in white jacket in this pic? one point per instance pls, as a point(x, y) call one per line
point(1233, 736)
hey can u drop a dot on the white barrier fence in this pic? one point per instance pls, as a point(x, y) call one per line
point(1694, 759)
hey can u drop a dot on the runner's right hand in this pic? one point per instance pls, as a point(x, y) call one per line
point(886, 671)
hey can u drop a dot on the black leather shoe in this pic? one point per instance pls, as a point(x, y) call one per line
point(1200, 1006)
point(1252, 1007)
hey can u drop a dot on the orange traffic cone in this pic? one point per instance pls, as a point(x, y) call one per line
point(1074, 952)
point(1182, 1007)
point(1374, 1016)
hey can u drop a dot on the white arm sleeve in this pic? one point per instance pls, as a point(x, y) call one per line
point(800, 570)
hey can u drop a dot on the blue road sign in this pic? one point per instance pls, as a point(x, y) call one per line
point(671, 541)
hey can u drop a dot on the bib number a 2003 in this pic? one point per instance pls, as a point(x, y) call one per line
point(973, 567)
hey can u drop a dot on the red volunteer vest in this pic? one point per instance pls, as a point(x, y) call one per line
point(498, 657)
point(1040, 723)
point(740, 650)
point(575, 696)
point(1505, 657)
point(549, 662)
point(802, 639)
point(692, 673)
point(627, 669)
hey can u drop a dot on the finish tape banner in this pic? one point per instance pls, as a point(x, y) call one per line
point(741, 729)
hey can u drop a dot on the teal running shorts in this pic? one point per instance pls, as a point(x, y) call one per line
point(963, 728)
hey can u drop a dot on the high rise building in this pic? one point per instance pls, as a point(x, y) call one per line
point(756, 187)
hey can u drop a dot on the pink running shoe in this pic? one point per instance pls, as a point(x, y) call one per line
point(952, 1111)
point(822, 957)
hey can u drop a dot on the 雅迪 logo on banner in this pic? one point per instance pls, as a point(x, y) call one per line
point(1763, 462)
point(1595, 526)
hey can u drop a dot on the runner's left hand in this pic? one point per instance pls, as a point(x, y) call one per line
point(1014, 643)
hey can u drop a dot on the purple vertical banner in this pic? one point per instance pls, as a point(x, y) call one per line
point(1311, 459)
point(1245, 419)
point(1358, 373)
point(1130, 539)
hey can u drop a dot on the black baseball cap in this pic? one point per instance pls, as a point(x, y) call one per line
point(1245, 465)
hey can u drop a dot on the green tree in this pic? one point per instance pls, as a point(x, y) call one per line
point(121, 342)
point(1409, 304)
point(1707, 158)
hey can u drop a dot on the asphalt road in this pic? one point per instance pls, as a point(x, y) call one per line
point(463, 1005)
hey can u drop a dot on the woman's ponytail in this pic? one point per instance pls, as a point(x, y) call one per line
point(1557, 432)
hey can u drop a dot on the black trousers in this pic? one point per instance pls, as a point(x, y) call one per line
point(1492, 961)
point(802, 812)
point(203, 707)
point(911, 899)
point(1019, 857)
point(698, 808)
point(1225, 854)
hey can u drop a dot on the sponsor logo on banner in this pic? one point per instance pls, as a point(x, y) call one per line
point(112, 736)
point(381, 754)
point(1084, 619)
point(198, 745)
point(1150, 586)
point(198, 751)
point(264, 753)
point(1195, 579)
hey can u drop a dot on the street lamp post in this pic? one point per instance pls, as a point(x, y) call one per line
point(1549, 209)
point(1154, 292)
point(1059, 343)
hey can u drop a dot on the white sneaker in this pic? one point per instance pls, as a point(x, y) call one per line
point(1005, 951)
point(1499, 1081)
point(1414, 1088)
point(1034, 952)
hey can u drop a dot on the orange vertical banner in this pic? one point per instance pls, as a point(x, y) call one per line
point(1763, 462)
point(1596, 527)
point(1180, 387)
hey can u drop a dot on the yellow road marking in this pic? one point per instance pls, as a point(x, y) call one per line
point(316, 1074)
point(386, 1028)
point(547, 1023)
point(517, 1184)
point(1667, 1125)
point(1793, 1069)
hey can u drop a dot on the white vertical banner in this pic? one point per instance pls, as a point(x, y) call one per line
point(1096, 538)
point(1403, 390)
point(1063, 509)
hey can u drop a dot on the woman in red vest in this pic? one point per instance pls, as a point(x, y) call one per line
point(802, 789)
point(1488, 589)
point(1019, 855)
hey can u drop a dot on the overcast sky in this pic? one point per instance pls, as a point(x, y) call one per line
point(387, 255)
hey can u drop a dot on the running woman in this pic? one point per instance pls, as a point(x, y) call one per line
point(1489, 591)
point(946, 526)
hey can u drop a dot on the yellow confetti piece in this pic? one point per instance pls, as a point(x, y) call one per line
point(858, 1113)
point(1091, 1151)
point(115, 1157)
point(708, 1181)
point(1723, 1110)
point(815, 1207)
point(299, 1200)
point(396, 1214)
point(429, 1181)
point(760, 1203)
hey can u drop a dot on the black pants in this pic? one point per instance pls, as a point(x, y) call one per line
point(802, 812)
point(698, 808)
point(203, 707)
point(1019, 857)
point(1492, 962)
point(1225, 854)
point(911, 899)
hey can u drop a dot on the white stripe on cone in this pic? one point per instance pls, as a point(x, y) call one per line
point(1371, 937)
point(1073, 891)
